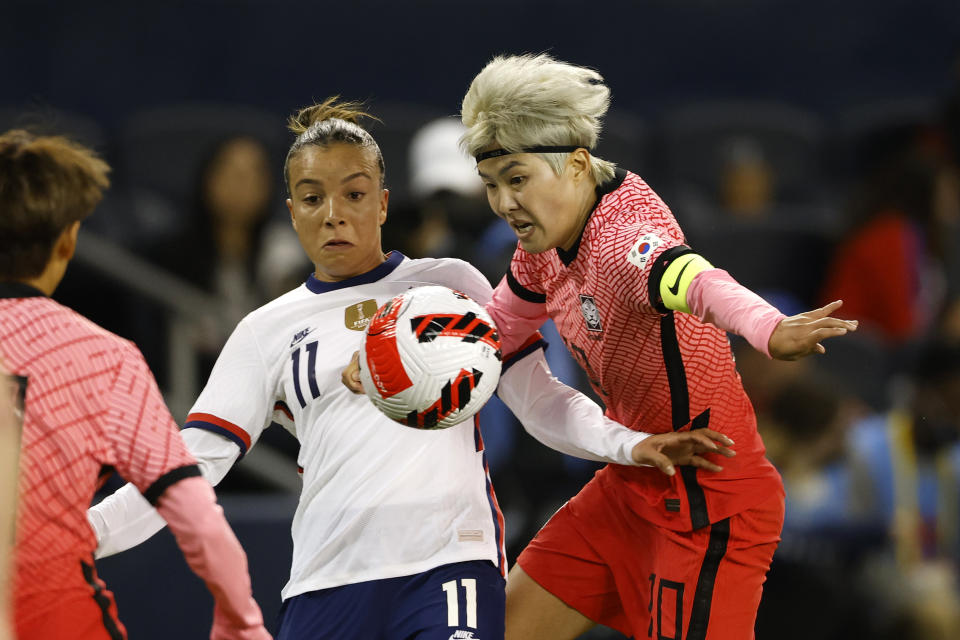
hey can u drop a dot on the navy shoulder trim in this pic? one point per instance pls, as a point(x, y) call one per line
point(380, 271)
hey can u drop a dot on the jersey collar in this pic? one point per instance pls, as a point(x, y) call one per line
point(393, 260)
point(568, 256)
point(19, 290)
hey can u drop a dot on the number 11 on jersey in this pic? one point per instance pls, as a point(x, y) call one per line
point(453, 602)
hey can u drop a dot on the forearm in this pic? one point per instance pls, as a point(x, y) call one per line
point(561, 417)
point(213, 553)
point(715, 297)
point(125, 519)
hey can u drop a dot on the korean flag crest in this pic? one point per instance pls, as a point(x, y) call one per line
point(642, 249)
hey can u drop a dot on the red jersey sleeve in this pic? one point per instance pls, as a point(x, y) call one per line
point(142, 437)
point(518, 305)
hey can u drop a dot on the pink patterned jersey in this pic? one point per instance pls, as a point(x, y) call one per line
point(655, 370)
point(91, 405)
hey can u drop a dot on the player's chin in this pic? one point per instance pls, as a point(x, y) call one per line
point(533, 245)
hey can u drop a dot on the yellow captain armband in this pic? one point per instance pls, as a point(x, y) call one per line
point(677, 278)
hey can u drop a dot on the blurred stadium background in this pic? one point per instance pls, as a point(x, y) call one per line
point(809, 147)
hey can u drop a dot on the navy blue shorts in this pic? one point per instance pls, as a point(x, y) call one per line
point(462, 601)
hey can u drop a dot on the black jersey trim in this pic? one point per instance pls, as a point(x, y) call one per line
point(102, 600)
point(522, 292)
point(695, 496)
point(170, 478)
point(567, 256)
point(703, 596)
point(676, 374)
point(380, 271)
point(659, 267)
point(680, 415)
point(19, 290)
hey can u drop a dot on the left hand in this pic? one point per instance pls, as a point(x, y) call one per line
point(350, 376)
point(800, 335)
point(664, 450)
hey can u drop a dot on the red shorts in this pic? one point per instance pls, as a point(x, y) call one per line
point(647, 581)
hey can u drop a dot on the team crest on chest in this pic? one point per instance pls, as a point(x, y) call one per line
point(591, 315)
point(357, 316)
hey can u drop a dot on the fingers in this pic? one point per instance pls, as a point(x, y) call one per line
point(702, 463)
point(714, 435)
point(705, 441)
point(350, 376)
point(663, 463)
point(831, 322)
point(824, 310)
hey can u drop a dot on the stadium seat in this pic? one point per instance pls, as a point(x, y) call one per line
point(771, 258)
point(693, 140)
point(623, 141)
point(868, 133)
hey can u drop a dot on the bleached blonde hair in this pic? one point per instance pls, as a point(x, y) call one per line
point(523, 101)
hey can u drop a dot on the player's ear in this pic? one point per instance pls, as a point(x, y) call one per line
point(578, 163)
point(384, 199)
point(66, 244)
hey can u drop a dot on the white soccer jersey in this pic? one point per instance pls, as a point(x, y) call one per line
point(379, 500)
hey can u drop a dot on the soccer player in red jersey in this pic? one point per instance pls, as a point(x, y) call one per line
point(90, 405)
point(651, 555)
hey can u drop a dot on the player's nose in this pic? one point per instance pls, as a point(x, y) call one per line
point(506, 202)
point(332, 215)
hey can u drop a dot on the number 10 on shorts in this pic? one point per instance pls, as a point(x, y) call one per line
point(453, 602)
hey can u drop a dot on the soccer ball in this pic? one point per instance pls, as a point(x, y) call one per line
point(430, 358)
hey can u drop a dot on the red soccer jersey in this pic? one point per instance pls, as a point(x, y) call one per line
point(91, 404)
point(655, 372)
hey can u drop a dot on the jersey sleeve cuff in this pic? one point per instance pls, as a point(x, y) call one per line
point(534, 342)
point(221, 427)
point(170, 478)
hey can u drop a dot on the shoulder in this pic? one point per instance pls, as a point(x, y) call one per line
point(73, 331)
point(449, 272)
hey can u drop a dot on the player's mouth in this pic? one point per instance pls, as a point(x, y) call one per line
point(522, 229)
point(337, 245)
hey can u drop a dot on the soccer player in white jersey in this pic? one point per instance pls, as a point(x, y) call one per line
point(397, 533)
point(683, 556)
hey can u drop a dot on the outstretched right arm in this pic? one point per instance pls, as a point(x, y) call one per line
point(125, 519)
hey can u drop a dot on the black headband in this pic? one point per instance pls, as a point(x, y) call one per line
point(496, 153)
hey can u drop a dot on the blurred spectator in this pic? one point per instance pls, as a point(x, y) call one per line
point(449, 208)
point(889, 270)
point(805, 435)
point(232, 246)
point(912, 457)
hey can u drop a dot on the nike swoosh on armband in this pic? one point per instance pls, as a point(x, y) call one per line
point(676, 285)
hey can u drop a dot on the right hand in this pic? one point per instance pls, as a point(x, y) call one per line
point(664, 450)
point(350, 376)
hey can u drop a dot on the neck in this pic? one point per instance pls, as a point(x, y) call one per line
point(586, 198)
point(47, 281)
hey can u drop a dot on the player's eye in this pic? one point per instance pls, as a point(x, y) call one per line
point(489, 186)
point(356, 195)
point(311, 199)
point(516, 181)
